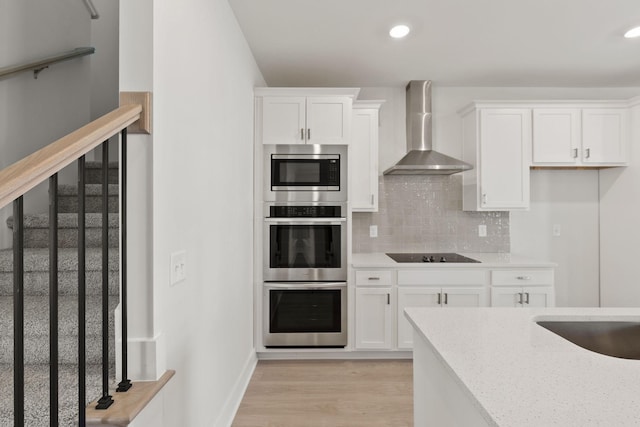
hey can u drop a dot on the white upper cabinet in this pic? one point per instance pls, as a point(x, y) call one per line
point(585, 137)
point(556, 136)
point(283, 120)
point(363, 156)
point(497, 142)
point(605, 135)
point(304, 115)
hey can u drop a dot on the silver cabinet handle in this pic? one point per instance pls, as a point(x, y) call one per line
point(484, 198)
point(523, 277)
point(519, 297)
point(309, 134)
point(446, 298)
point(526, 301)
point(439, 298)
point(388, 299)
point(372, 199)
point(587, 153)
point(373, 278)
point(301, 134)
point(575, 153)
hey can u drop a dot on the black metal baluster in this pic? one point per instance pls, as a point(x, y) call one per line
point(105, 401)
point(18, 312)
point(53, 300)
point(82, 344)
point(125, 384)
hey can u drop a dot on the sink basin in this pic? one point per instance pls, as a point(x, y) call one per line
point(612, 338)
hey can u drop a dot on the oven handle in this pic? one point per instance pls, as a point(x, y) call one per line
point(305, 285)
point(307, 220)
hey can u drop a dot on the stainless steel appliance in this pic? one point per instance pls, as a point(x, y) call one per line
point(421, 159)
point(305, 314)
point(305, 172)
point(305, 242)
point(431, 257)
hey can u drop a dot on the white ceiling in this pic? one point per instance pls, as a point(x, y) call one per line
point(453, 42)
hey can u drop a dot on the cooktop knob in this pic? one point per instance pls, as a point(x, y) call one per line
point(443, 259)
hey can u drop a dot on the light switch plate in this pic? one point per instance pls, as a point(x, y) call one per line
point(373, 231)
point(178, 267)
point(482, 230)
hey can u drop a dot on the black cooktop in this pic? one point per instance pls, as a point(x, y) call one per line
point(430, 257)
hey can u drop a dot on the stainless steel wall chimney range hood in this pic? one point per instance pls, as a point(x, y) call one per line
point(421, 159)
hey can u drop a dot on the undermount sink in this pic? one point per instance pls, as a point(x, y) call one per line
point(612, 338)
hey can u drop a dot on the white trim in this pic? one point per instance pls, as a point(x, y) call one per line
point(307, 91)
point(236, 394)
point(297, 354)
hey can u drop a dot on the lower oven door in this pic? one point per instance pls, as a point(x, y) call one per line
point(305, 314)
point(302, 249)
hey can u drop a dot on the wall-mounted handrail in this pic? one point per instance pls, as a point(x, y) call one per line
point(92, 9)
point(41, 64)
point(20, 177)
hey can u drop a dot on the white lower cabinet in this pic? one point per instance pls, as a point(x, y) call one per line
point(374, 318)
point(381, 296)
point(410, 296)
point(530, 296)
point(522, 288)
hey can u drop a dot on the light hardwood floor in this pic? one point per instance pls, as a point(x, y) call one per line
point(309, 393)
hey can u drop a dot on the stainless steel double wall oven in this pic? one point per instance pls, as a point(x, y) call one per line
point(305, 246)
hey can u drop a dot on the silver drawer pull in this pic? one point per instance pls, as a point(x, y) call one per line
point(523, 277)
point(373, 278)
point(526, 294)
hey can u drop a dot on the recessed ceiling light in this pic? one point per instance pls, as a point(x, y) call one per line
point(399, 31)
point(634, 32)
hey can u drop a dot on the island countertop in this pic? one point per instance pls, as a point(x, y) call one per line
point(487, 259)
point(518, 373)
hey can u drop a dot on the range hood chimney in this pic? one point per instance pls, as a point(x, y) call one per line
point(421, 159)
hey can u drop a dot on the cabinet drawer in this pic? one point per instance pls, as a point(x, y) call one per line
point(373, 278)
point(521, 277)
point(444, 277)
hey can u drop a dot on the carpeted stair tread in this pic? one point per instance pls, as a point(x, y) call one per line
point(36, 315)
point(37, 393)
point(65, 220)
point(37, 259)
point(90, 190)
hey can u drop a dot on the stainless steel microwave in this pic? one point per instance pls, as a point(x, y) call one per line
point(305, 172)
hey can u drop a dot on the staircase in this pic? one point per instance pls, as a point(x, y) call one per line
point(36, 302)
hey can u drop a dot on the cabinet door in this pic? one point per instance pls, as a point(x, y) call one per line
point(328, 120)
point(283, 120)
point(538, 296)
point(413, 297)
point(363, 157)
point(506, 296)
point(556, 136)
point(464, 297)
point(374, 322)
point(505, 141)
point(604, 135)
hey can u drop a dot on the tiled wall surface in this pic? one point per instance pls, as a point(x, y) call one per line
point(424, 214)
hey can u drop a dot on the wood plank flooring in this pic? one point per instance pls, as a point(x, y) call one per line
point(328, 393)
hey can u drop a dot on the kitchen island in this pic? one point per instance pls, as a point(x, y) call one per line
point(497, 367)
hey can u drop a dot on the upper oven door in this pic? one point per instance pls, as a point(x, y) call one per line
point(305, 249)
point(305, 173)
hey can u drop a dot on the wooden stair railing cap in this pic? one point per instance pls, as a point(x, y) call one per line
point(22, 176)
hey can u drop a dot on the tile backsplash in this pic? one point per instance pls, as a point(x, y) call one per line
point(424, 214)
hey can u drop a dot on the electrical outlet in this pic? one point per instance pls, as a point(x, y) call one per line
point(178, 267)
point(556, 230)
point(373, 231)
point(482, 230)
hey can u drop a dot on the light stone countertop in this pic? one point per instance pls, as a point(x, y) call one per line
point(520, 374)
point(380, 260)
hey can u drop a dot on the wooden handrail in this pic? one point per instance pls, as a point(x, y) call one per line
point(22, 176)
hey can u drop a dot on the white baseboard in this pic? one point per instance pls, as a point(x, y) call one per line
point(300, 354)
point(142, 355)
point(237, 392)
